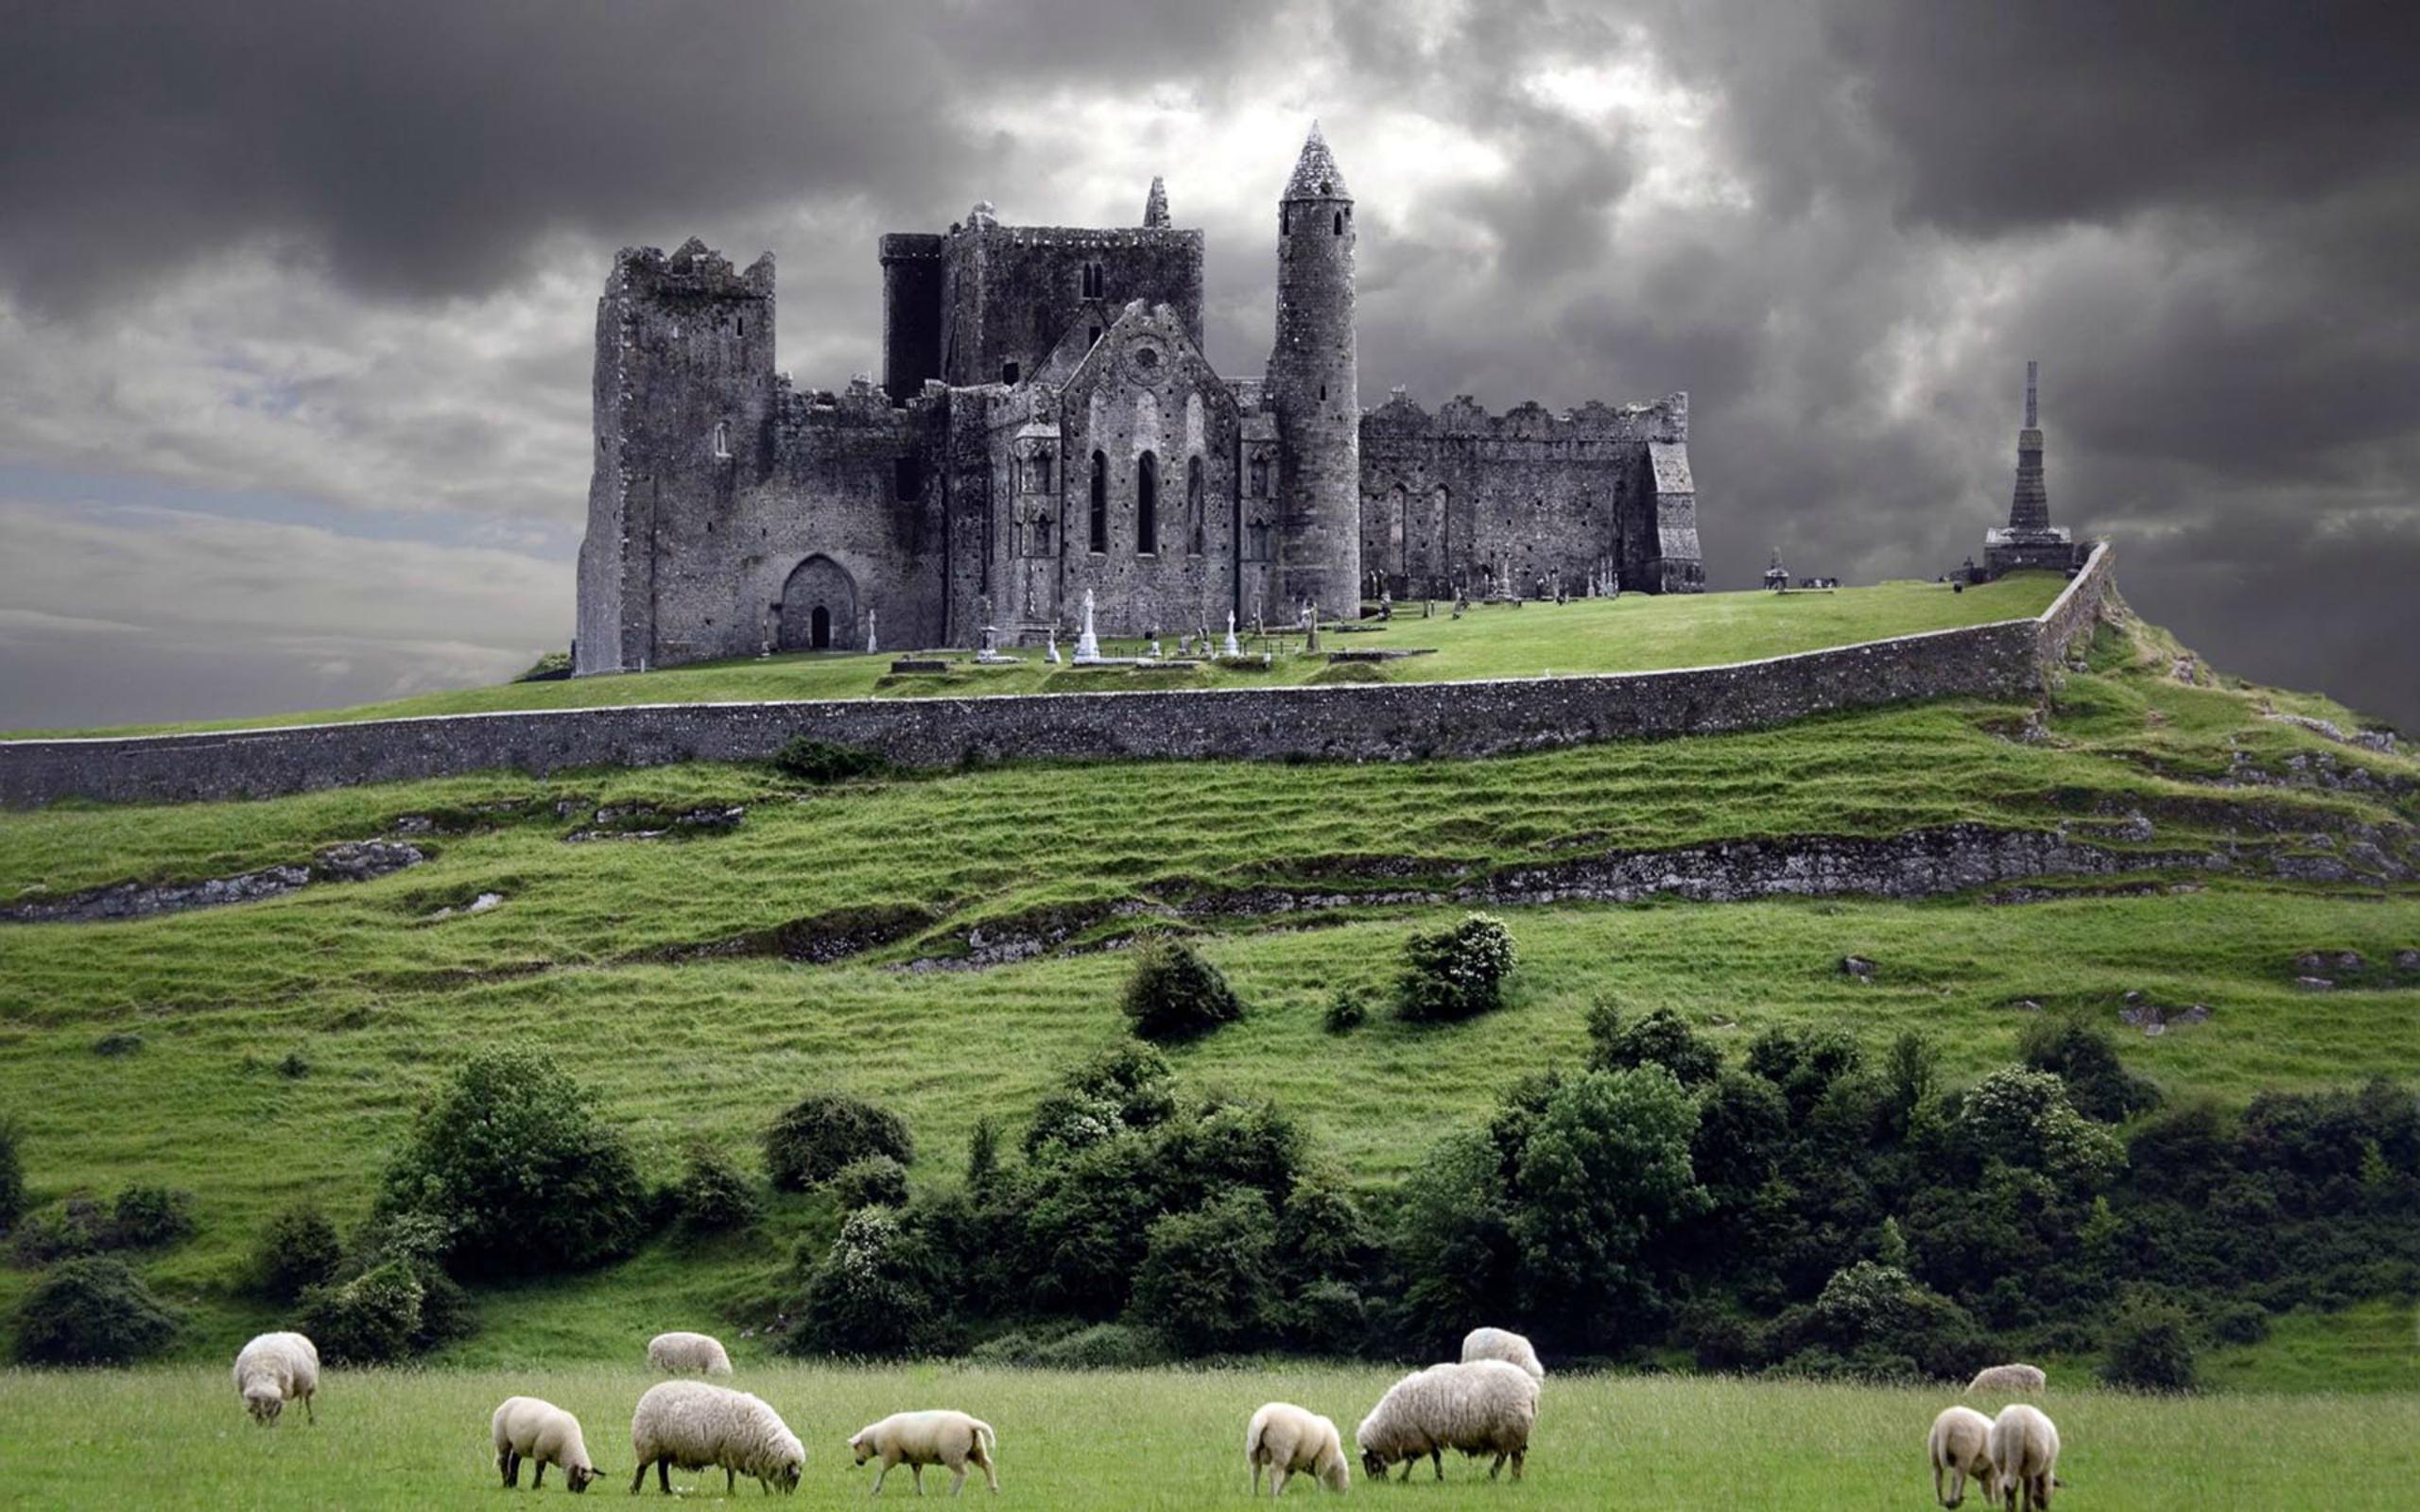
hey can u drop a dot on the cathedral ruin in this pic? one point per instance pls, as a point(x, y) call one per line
point(1047, 427)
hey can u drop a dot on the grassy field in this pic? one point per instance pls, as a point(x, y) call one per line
point(1634, 633)
point(302, 1032)
point(179, 1438)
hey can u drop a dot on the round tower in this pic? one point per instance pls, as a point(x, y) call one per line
point(1314, 389)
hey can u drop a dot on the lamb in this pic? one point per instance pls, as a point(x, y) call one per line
point(2013, 1380)
point(1500, 1343)
point(1960, 1446)
point(2025, 1458)
point(1483, 1407)
point(917, 1439)
point(525, 1428)
point(1289, 1440)
point(687, 1354)
point(697, 1427)
point(273, 1369)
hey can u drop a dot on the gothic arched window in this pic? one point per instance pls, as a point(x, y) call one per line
point(1100, 502)
point(1147, 506)
point(1260, 477)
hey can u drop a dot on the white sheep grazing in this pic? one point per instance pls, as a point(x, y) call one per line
point(1290, 1440)
point(1500, 1344)
point(917, 1439)
point(1959, 1446)
point(274, 1367)
point(525, 1428)
point(1485, 1407)
point(687, 1354)
point(697, 1427)
point(2013, 1380)
point(2025, 1458)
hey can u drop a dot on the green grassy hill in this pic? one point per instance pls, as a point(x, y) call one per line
point(1634, 633)
point(277, 1049)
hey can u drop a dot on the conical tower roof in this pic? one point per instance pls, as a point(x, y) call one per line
point(1316, 175)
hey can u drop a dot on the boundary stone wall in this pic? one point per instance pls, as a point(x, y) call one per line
point(1348, 722)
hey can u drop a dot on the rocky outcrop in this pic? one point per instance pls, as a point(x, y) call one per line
point(348, 861)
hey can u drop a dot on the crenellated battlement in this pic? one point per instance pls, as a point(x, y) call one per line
point(693, 271)
point(1666, 420)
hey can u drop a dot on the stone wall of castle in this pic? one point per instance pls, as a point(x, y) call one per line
point(1373, 722)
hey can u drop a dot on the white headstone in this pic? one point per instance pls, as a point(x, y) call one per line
point(1233, 649)
point(1088, 643)
point(870, 641)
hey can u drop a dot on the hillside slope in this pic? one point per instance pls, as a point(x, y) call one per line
point(943, 945)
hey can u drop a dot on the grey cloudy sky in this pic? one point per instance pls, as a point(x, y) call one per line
point(296, 298)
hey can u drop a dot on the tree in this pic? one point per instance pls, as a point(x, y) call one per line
point(823, 1132)
point(2084, 1057)
point(1661, 1038)
point(1204, 1280)
point(2023, 1118)
point(1605, 1172)
point(872, 1294)
point(2150, 1348)
point(514, 1159)
point(1172, 994)
point(298, 1249)
point(1454, 973)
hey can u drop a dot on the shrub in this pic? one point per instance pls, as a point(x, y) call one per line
point(1454, 973)
point(92, 1310)
point(2084, 1055)
point(512, 1158)
point(821, 762)
point(983, 1153)
point(1122, 1089)
point(372, 1319)
point(871, 1294)
point(295, 1065)
point(419, 1242)
point(1661, 1038)
point(298, 1249)
point(1203, 1277)
point(145, 1217)
point(120, 1042)
point(1345, 1011)
point(1172, 994)
point(714, 1196)
point(12, 1176)
point(823, 1132)
point(2150, 1348)
point(79, 1225)
point(876, 1181)
point(2239, 1323)
point(2023, 1117)
point(551, 666)
point(1881, 1320)
point(1102, 1346)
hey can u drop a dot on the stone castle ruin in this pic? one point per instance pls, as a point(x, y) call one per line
point(1049, 428)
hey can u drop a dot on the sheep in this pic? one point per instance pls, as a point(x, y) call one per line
point(687, 1354)
point(273, 1368)
point(1960, 1445)
point(1498, 1344)
point(525, 1428)
point(2015, 1380)
point(2025, 1458)
point(917, 1439)
point(1286, 1440)
point(697, 1427)
point(1486, 1406)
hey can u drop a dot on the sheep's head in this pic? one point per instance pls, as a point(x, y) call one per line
point(264, 1403)
point(862, 1445)
point(1373, 1465)
point(785, 1474)
point(1334, 1474)
point(580, 1475)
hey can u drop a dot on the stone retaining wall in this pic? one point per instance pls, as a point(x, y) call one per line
point(1349, 722)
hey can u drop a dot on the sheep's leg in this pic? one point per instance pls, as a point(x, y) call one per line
point(957, 1478)
point(504, 1466)
point(917, 1470)
point(1255, 1478)
point(540, 1479)
point(1518, 1455)
point(1278, 1475)
point(879, 1474)
point(1437, 1457)
point(1406, 1478)
point(1497, 1468)
point(310, 1414)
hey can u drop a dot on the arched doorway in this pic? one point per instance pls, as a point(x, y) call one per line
point(820, 607)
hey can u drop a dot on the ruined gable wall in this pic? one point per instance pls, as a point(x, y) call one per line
point(1009, 293)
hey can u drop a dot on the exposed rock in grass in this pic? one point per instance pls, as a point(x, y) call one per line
point(480, 905)
point(816, 940)
point(1856, 966)
point(2154, 1020)
point(641, 822)
point(347, 861)
point(2314, 983)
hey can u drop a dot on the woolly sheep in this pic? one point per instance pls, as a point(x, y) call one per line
point(1484, 1407)
point(687, 1354)
point(697, 1427)
point(1500, 1343)
point(917, 1439)
point(1287, 1440)
point(274, 1367)
point(2025, 1458)
point(525, 1428)
point(2016, 1380)
point(1960, 1445)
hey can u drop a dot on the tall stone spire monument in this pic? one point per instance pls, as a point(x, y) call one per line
point(1314, 386)
point(2029, 539)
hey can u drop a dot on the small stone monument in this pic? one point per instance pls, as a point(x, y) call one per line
point(870, 641)
point(1385, 605)
point(1087, 644)
point(1051, 645)
point(1233, 649)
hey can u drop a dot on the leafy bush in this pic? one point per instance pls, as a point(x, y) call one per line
point(876, 1181)
point(1123, 1088)
point(1172, 994)
point(12, 1176)
point(2239, 1323)
point(1661, 1038)
point(298, 1249)
point(1098, 1347)
point(512, 1158)
point(92, 1310)
point(2023, 1117)
point(78, 1225)
point(823, 1132)
point(1346, 1012)
point(2150, 1348)
point(372, 1319)
point(1881, 1322)
point(1454, 973)
point(119, 1042)
point(872, 1294)
point(2084, 1055)
point(821, 762)
point(551, 666)
point(983, 1153)
point(1203, 1277)
point(714, 1196)
point(419, 1242)
point(145, 1217)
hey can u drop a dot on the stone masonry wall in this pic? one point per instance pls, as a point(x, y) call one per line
point(1371, 722)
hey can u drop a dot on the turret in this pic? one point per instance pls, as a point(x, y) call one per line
point(1314, 388)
